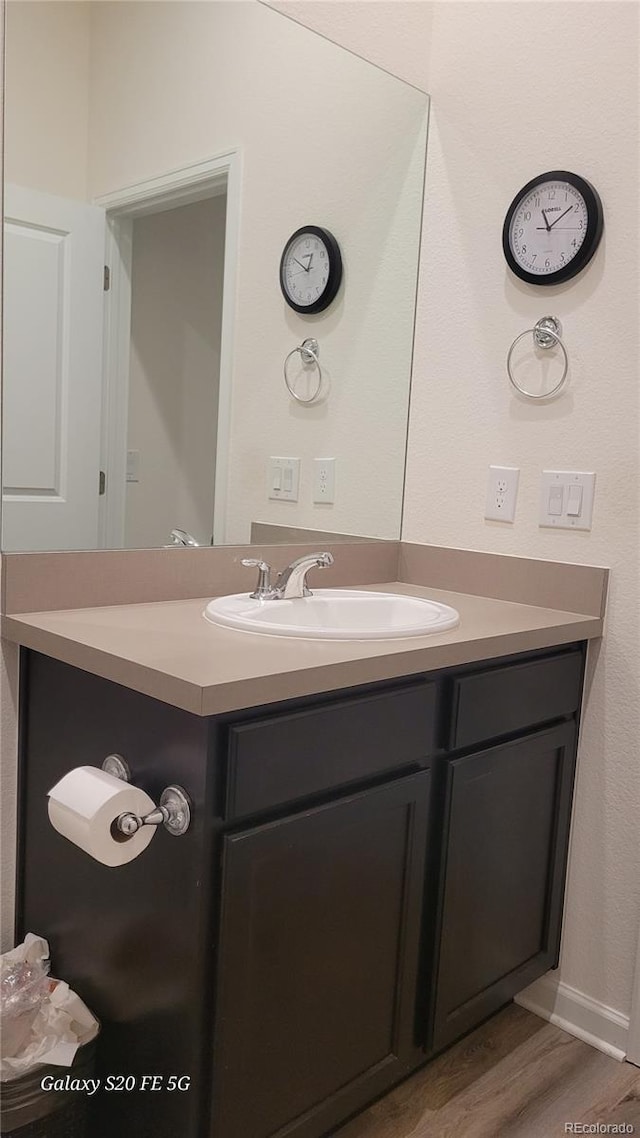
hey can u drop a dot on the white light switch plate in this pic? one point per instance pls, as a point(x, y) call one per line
point(283, 478)
point(133, 466)
point(502, 493)
point(566, 499)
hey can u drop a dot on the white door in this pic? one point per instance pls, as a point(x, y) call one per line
point(53, 308)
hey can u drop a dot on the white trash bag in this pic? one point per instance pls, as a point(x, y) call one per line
point(41, 1019)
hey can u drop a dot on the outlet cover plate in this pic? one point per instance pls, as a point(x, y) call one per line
point(502, 493)
point(324, 480)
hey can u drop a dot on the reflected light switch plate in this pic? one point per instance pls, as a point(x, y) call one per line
point(133, 466)
point(283, 478)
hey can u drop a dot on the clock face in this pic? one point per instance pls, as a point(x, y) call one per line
point(552, 228)
point(310, 269)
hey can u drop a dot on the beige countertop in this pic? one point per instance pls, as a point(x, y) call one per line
point(167, 650)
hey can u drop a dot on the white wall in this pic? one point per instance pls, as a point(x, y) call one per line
point(393, 34)
point(517, 89)
point(177, 271)
point(496, 123)
point(325, 138)
point(47, 104)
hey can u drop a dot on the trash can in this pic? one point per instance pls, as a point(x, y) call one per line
point(27, 1111)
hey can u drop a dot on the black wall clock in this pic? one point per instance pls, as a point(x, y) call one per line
point(310, 269)
point(552, 228)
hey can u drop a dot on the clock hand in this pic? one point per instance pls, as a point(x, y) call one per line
point(301, 265)
point(561, 217)
point(545, 221)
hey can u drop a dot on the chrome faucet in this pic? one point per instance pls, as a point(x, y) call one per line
point(183, 537)
point(292, 583)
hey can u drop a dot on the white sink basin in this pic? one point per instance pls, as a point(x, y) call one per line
point(334, 614)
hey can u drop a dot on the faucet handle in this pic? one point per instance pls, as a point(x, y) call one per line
point(263, 588)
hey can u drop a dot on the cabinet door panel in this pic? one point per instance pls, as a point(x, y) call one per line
point(318, 957)
point(505, 844)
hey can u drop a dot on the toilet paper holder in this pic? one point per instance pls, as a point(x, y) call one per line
point(173, 811)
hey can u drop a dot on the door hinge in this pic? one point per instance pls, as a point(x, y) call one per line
point(102, 483)
point(106, 280)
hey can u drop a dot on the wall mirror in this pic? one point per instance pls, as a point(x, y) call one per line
point(180, 144)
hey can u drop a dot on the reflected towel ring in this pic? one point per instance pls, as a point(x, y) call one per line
point(546, 334)
point(309, 351)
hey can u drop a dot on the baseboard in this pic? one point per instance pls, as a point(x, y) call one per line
point(566, 1007)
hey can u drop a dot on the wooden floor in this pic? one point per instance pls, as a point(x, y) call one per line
point(516, 1076)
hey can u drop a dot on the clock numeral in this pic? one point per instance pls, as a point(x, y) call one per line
point(527, 215)
point(524, 248)
point(520, 232)
point(534, 256)
point(547, 263)
point(562, 256)
point(552, 195)
point(574, 242)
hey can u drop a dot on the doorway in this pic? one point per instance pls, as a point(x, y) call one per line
point(171, 254)
point(177, 270)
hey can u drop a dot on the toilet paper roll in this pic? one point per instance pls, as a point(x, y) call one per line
point(83, 807)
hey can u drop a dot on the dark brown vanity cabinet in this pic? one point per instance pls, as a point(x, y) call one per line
point(506, 819)
point(369, 875)
point(319, 941)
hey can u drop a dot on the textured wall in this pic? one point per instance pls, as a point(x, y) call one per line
point(517, 89)
point(495, 124)
point(394, 34)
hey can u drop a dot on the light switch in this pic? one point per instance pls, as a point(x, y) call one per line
point(283, 479)
point(556, 494)
point(566, 498)
point(574, 501)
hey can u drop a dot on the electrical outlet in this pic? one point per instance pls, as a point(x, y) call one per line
point(502, 493)
point(324, 480)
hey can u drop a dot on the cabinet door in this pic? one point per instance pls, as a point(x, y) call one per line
point(506, 829)
point(317, 965)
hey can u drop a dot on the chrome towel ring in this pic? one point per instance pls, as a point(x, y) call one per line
point(309, 351)
point(547, 333)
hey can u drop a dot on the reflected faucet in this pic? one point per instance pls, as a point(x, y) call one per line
point(291, 582)
point(182, 537)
